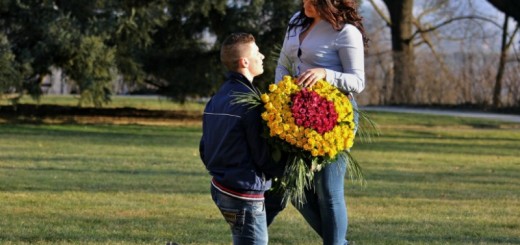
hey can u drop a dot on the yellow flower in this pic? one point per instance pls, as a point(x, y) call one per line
point(281, 122)
point(314, 152)
point(332, 153)
point(278, 130)
point(321, 152)
point(265, 98)
point(272, 87)
point(265, 116)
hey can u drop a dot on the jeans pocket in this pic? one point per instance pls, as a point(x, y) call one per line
point(235, 218)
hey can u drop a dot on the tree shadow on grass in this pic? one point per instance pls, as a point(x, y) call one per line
point(53, 179)
point(440, 185)
point(430, 232)
point(442, 146)
point(108, 134)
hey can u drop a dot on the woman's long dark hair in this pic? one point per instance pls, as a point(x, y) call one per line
point(336, 12)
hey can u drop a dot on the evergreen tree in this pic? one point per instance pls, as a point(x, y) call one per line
point(159, 43)
point(182, 63)
point(92, 41)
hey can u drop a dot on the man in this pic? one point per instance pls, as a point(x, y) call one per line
point(232, 148)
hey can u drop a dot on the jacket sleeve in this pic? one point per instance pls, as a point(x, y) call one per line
point(201, 149)
point(258, 145)
point(350, 47)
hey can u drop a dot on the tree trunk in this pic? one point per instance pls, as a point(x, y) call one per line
point(501, 65)
point(403, 50)
point(510, 7)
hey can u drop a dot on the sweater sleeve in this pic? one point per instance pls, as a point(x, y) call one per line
point(349, 44)
point(284, 63)
point(285, 66)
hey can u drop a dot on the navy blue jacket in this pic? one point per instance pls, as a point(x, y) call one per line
point(231, 147)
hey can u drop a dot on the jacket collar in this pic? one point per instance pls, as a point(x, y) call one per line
point(234, 76)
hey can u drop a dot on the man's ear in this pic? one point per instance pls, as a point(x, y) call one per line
point(243, 62)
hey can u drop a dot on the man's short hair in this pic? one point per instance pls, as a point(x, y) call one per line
point(232, 49)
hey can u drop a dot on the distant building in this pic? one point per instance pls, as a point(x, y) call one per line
point(57, 83)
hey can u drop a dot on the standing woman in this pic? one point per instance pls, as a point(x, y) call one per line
point(326, 40)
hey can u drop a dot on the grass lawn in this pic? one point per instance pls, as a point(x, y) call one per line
point(142, 102)
point(431, 180)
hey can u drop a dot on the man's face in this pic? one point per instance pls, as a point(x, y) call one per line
point(255, 59)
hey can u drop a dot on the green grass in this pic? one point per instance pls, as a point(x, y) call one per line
point(142, 102)
point(431, 180)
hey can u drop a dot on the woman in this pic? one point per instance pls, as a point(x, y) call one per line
point(326, 40)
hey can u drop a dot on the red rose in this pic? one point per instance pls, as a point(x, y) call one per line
point(312, 111)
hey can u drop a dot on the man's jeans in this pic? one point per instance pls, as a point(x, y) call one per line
point(325, 209)
point(247, 219)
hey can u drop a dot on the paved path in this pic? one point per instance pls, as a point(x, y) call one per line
point(457, 113)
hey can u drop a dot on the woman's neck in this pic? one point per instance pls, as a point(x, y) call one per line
point(306, 31)
point(315, 20)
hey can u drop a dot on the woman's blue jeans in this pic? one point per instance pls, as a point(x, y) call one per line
point(247, 219)
point(325, 209)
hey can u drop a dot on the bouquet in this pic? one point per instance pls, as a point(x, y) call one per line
point(307, 127)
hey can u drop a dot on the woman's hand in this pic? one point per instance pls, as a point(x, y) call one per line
point(311, 76)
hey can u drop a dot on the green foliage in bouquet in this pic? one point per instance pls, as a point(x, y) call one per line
point(307, 129)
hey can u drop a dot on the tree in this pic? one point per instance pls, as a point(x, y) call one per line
point(8, 73)
point(171, 46)
point(91, 41)
point(409, 31)
point(505, 45)
point(510, 7)
point(401, 25)
point(181, 62)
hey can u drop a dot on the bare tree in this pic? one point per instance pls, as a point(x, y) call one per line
point(401, 24)
point(506, 44)
point(510, 7)
point(409, 31)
